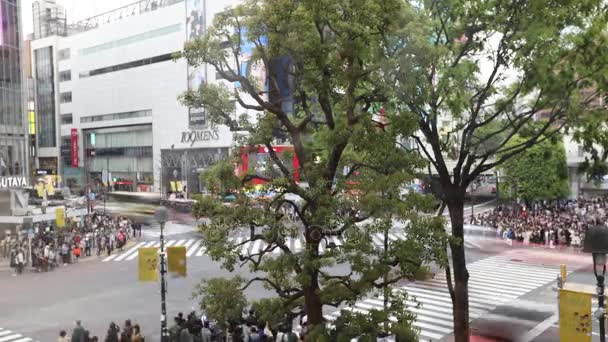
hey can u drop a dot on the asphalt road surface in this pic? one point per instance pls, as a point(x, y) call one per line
point(511, 293)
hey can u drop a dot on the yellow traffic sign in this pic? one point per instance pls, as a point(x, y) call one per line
point(60, 217)
point(176, 258)
point(148, 264)
point(574, 316)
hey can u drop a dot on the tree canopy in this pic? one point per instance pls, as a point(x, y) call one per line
point(540, 173)
point(348, 179)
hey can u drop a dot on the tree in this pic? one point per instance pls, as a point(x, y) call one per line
point(349, 170)
point(539, 173)
point(477, 73)
point(222, 299)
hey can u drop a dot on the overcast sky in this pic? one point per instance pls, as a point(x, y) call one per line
point(77, 9)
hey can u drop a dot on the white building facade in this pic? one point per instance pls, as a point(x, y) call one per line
point(107, 101)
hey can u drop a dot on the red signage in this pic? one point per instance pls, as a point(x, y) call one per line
point(74, 147)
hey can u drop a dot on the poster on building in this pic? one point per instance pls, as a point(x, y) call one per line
point(74, 141)
point(195, 28)
point(574, 316)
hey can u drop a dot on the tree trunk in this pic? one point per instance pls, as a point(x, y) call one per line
point(461, 274)
point(313, 306)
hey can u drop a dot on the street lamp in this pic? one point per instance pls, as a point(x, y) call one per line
point(596, 243)
point(160, 215)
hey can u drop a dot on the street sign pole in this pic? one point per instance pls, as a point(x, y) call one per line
point(163, 288)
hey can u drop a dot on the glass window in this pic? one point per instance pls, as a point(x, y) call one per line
point(63, 54)
point(132, 39)
point(66, 97)
point(66, 119)
point(65, 76)
point(117, 116)
point(45, 97)
point(129, 65)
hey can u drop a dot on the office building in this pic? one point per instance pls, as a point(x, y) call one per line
point(13, 130)
point(106, 105)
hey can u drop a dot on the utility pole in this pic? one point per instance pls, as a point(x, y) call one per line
point(161, 217)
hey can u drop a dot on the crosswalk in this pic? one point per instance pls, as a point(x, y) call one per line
point(194, 247)
point(493, 281)
point(11, 336)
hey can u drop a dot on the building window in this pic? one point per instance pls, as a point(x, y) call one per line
point(65, 76)
point(45, 97)
point(65, 97)
point(63, 54)
point(129, 65)
point(581, 151)
point(66, 119)
point(117, 116)
point(132, 39)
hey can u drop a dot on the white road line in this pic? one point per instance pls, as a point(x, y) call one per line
point(135, 254)
point(26, 339)
point(109, 258)
point(5, 332)
point(188, 243)
point(180, 242)
point(201, 251)
point(10, 337)
point(193, 248)
point(170, 243)
point(119, 257)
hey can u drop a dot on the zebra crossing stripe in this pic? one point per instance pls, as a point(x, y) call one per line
point(5, 332)
point(194, 247)
point(10, 337)
point(134, 254)
point(26, 339)
point(378, 239)
point(423, 295)
point(180, 243)
point(170, 243)
point(109, 258)
point(129, 251)
point(201, 251)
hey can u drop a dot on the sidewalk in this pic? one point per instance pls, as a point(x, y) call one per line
point(5, 263)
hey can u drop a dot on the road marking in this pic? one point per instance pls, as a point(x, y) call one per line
point(135, 254)
point(124, 253)
point(539, 329)
point(11, 337)
point(193, 248)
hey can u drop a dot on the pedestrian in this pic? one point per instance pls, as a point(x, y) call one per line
point(137, 335)
point(127, 330)
point(206, 334)
point(63, 337)
point(78, 334)
point(112, 334)
point(20, 260)
point(174, 330)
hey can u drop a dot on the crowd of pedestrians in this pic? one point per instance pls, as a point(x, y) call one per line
point(560, 223)
point(192, 328)
point(51, 246)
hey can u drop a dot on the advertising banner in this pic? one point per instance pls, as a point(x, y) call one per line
point(574, 316)
point(60, 217)
point(74, 136)
point(195, 28)
point(148, 264)
point(176, 257)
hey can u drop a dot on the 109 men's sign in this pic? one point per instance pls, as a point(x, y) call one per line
point(194, 136)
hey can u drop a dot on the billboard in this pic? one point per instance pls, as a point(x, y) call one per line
point(74, 146)
point(195, 28)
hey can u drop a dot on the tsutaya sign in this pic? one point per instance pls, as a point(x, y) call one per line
point(194, 136)
point(13, 182)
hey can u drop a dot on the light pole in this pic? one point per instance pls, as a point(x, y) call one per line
point(160, 214)
point(596, 243)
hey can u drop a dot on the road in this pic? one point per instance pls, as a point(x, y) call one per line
point(511, 293)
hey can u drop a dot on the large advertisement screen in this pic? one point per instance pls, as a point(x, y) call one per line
point(195, 27)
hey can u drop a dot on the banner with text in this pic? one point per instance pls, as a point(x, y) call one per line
point(176, 258)
point(574, 316)
point(74, 136)
point(148, 264)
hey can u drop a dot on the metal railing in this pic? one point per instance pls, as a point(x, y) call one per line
point(114, 15)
